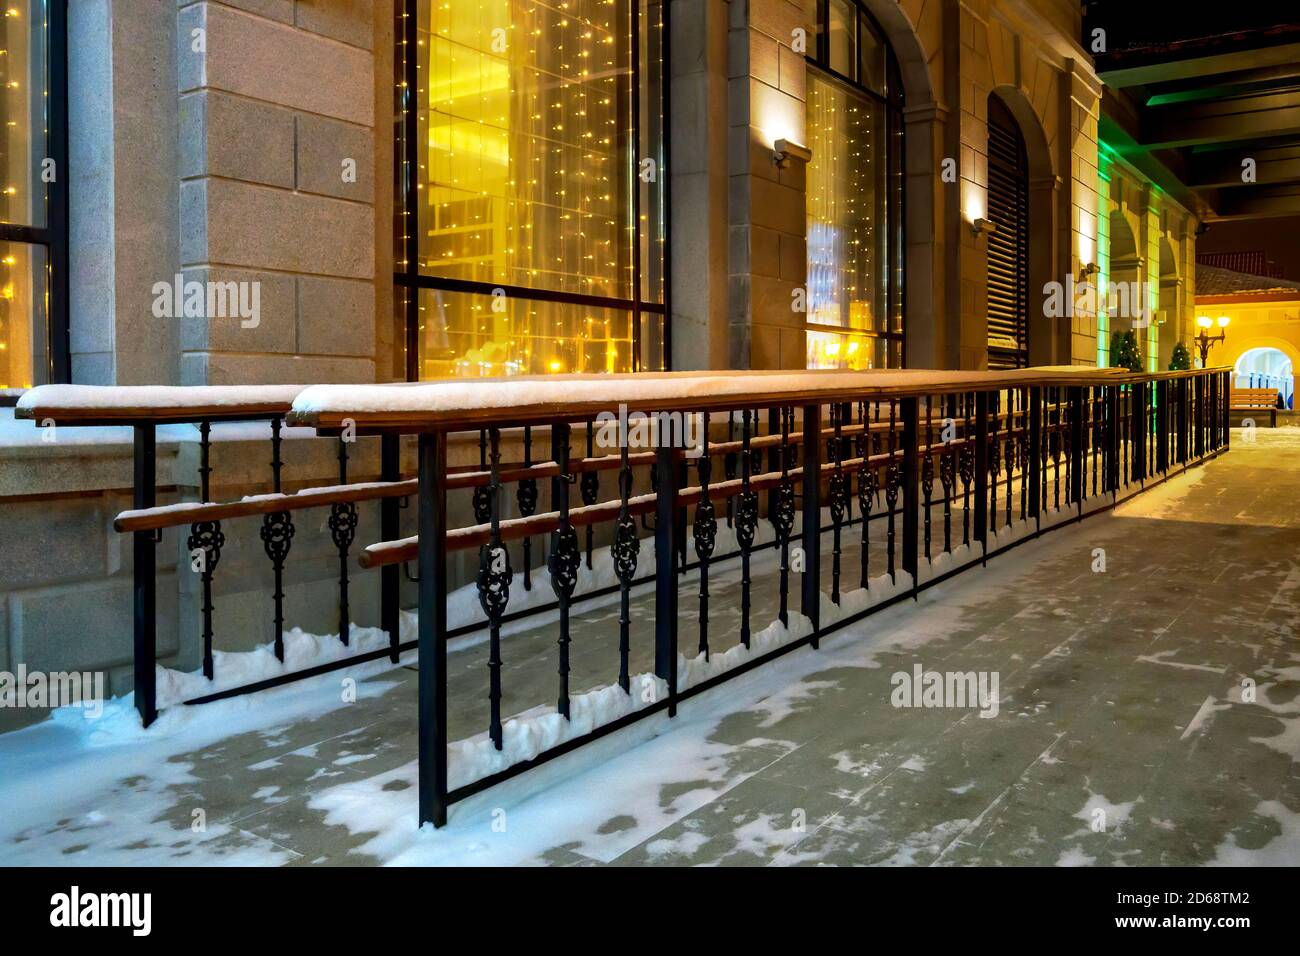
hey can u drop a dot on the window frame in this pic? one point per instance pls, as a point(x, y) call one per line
point(410, 281)
point(54, 234)
point(892, 102)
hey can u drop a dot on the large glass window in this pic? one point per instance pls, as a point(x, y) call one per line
point(32, 209)
point(854, 193)
point(536, 218)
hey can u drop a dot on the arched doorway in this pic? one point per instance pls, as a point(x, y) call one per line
point(1008, 247)
point(1125, 303)
point(1266, 367)
point(1169, 305)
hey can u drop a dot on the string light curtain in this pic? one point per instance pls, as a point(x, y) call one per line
point(23, 266)
point(538, 202)
point(854, 193)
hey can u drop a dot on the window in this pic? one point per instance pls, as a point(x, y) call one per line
point(1008, 247)
point(854, 193)
point(532, 219)
point(33, 194)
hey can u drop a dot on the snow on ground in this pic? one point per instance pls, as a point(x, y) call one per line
point(628, 775)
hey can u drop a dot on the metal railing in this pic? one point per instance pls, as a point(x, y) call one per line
point(910, 477)
point(1014, 454)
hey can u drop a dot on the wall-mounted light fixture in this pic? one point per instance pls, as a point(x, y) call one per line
point(1204, 340)
point(981, 224)
point(1087, 271)
point(784, 150)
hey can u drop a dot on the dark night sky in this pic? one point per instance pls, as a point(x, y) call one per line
point(1279, 238)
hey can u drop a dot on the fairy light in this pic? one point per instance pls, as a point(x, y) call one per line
point(525, 180)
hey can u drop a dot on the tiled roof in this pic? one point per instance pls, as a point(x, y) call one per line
point(1211, 280)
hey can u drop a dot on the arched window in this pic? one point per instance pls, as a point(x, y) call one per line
point(1008, 247)
point(854, 192)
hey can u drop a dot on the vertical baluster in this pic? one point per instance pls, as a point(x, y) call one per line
point(994, 464)
point(1056, 447)
point(838, 494)
point(526, 496)
point(564, 554)
point(277, 538)
point(1022, 454)
point(948, 469)
point(343, 530)
point(893, 476)
point(481, 498)
point(704, 531)
point(204, 544)
point(625, 549)
point(981, 472)
point(868, 489)
point(729, 467)
point(927, 473)
point(966, 466)
point(782, 517)
point(494, 577)
point(665, 569)
point(810, 597)
point(1012, 442)
point(746, 523)
point(589, 486)
point(1033, 468)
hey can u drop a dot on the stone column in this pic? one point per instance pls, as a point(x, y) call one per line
point(698, 169)
point(123, 186)
point(277, 169)
point(766, 209)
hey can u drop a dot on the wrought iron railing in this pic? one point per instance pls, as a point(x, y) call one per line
point(1013, 453)
point(911, 476)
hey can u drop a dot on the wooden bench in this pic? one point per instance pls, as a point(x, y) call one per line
point(1254, 400)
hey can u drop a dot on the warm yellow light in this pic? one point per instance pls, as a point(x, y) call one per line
point(1223, 321)
point(555, 366)
point(1204, 321)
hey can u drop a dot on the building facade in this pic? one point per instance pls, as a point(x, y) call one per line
point(298, 191)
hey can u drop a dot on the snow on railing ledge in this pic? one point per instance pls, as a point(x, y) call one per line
point(131, 404)
point(523, 398)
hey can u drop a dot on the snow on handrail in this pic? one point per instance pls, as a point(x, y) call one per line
point(529, 399)
point(140, 404)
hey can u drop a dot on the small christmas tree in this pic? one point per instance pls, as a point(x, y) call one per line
point(1181, 359)
point(1124, 351)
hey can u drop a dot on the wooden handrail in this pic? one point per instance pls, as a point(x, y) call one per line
point(461, 405)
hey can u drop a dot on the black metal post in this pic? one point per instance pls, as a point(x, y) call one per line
point(1075, 394)
point(665, 569)
point(1183, 393)
point(909, 410)
point(981, 471)
point(1162, 425)
point(146, 587)
point(1113, 437)
point(433, 629)
point(810, 591)
point(390, 580)
point(1034, 476)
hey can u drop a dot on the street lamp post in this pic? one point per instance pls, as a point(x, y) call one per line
point(1204, 340)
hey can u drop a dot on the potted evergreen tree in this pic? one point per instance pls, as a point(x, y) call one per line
point(1124, 351)
point(1181, 359)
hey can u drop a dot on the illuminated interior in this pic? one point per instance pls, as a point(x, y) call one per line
point(530, 181)
point(22, 201)
point(853, 320)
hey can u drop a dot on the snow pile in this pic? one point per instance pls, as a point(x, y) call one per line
point(539, 729)
point(301, 652)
